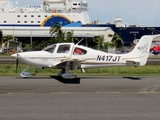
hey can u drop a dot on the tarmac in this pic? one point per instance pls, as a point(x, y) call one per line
point(84, 98)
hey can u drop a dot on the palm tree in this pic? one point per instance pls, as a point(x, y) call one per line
point(99, 41)
point(69, 36)
point(8, 38)
point(1, 36)
point(117, 41)
point(55, 29)
point(107, 45)
point(56, 33)
point(59, 36)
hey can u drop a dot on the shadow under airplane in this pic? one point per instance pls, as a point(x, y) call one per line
point(66, 81)
point(132, 78)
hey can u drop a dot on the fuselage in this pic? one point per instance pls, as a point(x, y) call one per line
point(55, 54)
point(69, 55)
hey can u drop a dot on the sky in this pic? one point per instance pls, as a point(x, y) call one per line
point(132, 12)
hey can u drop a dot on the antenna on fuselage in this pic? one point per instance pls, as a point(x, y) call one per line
point(80, 41)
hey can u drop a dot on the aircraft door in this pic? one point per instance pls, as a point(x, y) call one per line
point(64, 50)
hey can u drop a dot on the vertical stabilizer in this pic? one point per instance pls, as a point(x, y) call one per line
point(141, 51)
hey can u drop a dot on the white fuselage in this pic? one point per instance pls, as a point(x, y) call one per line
point(68, 56)
point(91, 59)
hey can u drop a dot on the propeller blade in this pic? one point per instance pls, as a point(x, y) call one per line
point(17, 63)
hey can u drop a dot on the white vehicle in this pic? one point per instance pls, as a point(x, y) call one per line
point(68, 56)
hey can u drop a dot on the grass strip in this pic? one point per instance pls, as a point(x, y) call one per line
point(149, 70)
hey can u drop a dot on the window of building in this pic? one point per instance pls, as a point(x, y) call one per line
point(18, 15)
point(25, 15)
point(5, 21)
point(18, 21)
point(32, 15)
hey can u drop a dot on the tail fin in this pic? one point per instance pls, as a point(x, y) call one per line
point(141, 51)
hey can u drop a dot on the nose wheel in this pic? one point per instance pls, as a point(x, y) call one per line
point(26, 74)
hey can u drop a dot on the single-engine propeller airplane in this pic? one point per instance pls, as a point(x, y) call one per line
point(70, 56)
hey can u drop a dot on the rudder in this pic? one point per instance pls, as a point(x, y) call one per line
point(141, 51)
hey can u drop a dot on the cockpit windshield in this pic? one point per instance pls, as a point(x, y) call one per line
point(50, 48)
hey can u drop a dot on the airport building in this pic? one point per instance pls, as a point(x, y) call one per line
point(29, 34)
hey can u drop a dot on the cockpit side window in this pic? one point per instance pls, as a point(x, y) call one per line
point(50, 48)
point(79, 51)
point(63, 49)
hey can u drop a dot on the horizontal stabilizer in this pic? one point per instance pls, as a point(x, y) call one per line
point(132, 63)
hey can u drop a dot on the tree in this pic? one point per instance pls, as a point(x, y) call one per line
point(99, 42)
point(117, 41)
point(107, 45)
point(59, 36)
point(56, 33)
point(69, 36)
point(6, 39)
point(55, 29)
point(28, 47)
point(40, 45)
point(1, 37)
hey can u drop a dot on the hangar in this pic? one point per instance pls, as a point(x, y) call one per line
point(30, 33)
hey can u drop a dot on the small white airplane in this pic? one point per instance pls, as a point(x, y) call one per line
point(70, 56)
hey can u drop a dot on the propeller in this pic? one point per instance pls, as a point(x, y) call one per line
point(16, 55)
point(17, 63)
